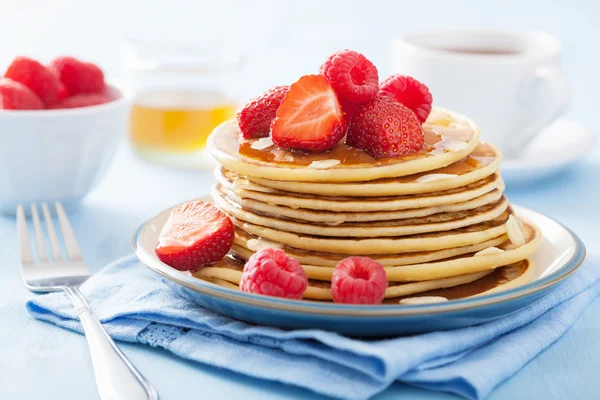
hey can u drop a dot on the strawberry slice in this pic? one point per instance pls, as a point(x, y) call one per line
point(310, 117)
point(195, 235)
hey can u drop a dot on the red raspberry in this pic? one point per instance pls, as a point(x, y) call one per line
point(16, 96)
point(354, 78)
point(409, 92)
point(83, 100)
point(255, 117)
point(385, 128)
point(78, 76)
point(358, 280)
point(271, 272)
point(40, 79)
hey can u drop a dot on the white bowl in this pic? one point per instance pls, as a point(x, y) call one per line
point(57, 155)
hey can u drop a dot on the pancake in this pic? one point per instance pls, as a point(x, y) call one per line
point(422, 242)
point(402, 227)
point(500, 279)
point(482, 162)
point(336, 218)
point(445, 144)
point(228, 273)
point(319, 259)
point(365, 204)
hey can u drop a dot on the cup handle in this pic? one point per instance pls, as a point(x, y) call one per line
point(545, 96)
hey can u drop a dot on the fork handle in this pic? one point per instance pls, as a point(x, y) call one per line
point(116, 377)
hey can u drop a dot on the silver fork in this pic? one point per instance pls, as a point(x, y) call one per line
point(116, 377)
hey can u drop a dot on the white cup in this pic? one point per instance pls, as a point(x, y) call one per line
point(510, 84)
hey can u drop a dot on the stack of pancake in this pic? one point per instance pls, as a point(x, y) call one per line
point(437, 220)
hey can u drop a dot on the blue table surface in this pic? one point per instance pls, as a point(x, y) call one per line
point(39, 360)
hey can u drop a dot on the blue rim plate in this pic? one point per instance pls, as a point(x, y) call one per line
point(560, 254)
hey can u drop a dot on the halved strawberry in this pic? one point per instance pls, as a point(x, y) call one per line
point(310, 117)
point(195, 235)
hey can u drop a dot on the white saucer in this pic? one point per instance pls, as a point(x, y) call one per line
point(557, 147)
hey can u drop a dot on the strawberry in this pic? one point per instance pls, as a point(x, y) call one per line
point(78, 76)
point(82, 100)
point(409, 92)
point(16, 96)
point(195, 235)
point(309, 117)
point(37, 77)
point(385, 128)
point(255, 117)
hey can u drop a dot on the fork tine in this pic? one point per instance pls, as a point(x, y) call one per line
point(68, 235)
point(39, 235)
point(51, 233)
point(25, 247)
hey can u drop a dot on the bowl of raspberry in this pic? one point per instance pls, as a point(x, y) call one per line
point(60, 124)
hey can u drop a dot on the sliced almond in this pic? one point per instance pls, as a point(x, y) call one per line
point(489, 250)
point(514, 231)
point(323, 164)
point(262, 143)
point(454, 146)
point(260, 243)
point(423, 300)
point(435, 177)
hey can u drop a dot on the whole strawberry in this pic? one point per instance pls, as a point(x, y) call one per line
point(16, 96)
point(385, 128)
point(37, 77)
point(409, 92)
point(78, 76)
point(195, 235)
point(255, 117)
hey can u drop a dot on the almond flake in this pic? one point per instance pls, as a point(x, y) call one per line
point(323, 164)
point(262, 143)
point(423, 300)
point(489, 250)
point(515, 234)
point(454, 146)
point(434, 177)
point(260, 243)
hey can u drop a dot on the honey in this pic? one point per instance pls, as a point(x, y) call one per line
point(177, 121)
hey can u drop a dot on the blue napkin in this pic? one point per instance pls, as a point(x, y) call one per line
point(136, 306)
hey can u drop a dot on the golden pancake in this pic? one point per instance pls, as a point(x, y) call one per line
point(402, 227)
point(422, 242)
point(243, 250)
point(445, 144)
point(482, 162)
point(362, 204)
point(228, 273)
point(336, 218)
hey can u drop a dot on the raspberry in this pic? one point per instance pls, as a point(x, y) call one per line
point(409, 92)
point(271, 272)
point(40, 79)
point(385, 128)
point(83, 100)
point(255, 117)
point(358, 280)
point(353, 77)
point(16, 96)
point(78, 76)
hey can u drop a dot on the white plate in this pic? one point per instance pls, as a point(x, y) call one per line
point(559, 255)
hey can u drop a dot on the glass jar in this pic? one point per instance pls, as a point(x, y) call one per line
point(181, 91)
